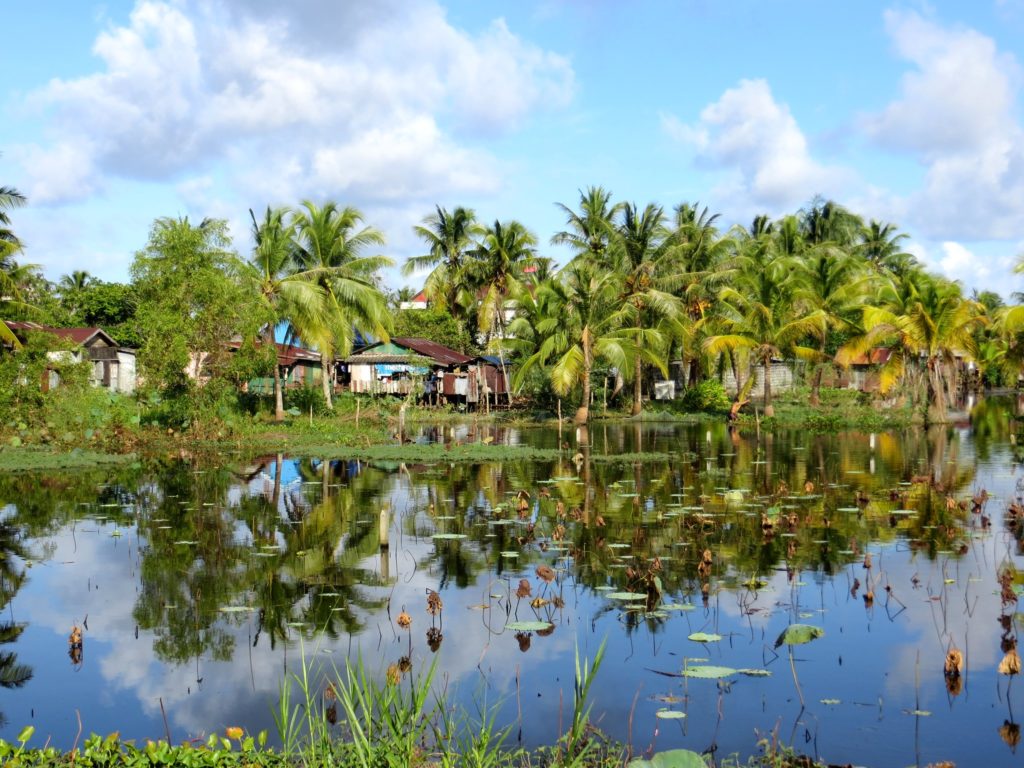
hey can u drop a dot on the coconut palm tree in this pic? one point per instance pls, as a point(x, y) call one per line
point(448, 236)
point(285, 292)
point(757, 310)
point(881, 246)
point(641, 253)
point(329, 245)
point(922, 319)
point(590, 230)
point(496, 272)
point(77, 280)
point(577, 328)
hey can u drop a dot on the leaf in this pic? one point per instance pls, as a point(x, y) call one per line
point(529, 626)
point(673, 758)
point(708, 672)
point(448, 536)
point(669, 714)
point(755, 672)
point(798, 634)
point(704, 637)
point(627, 595)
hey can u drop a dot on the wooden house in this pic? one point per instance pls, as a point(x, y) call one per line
point(439, 374)
point(113, 366)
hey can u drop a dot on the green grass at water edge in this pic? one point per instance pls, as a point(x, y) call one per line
point(36, 458)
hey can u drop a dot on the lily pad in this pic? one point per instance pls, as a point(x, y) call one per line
point(798, 634)
point(626, 595)
point(669, 714)
point(236, 609)
point(755, 672)
point(529, 626)
point(704, 637)
point(448, 536)
point(708, 672)
point(673, 758)
point(677, 607)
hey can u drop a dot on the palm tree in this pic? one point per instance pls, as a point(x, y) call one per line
point(920, 317)
point(9, 243)
point(757, 310)
point(329, 245)
point(880, 245)
point(496, 272)
point(640, 253)
point(698, 255)
point(449, 239)
point(589, 231)
point(78, 280)
point(576, 329)
point(286, 293)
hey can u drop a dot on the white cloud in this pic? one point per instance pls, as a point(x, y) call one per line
point(748, 131)
point(326, 96)
point(957, 114)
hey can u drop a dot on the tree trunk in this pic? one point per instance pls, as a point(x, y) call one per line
point(736, 374)
point(501, 359)
point(769, 409)
point(583, 412)
point(816, 381)
point(638, 384)
point(325, 379)
point(278, 389)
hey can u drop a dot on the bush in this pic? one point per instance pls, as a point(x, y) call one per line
point(305, 398)
point(708, 396)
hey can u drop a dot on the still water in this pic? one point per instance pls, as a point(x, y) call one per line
point(198, 587)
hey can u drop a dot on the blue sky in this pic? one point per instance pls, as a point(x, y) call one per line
point(120, 112)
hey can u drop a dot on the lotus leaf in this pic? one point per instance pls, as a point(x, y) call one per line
point(673, 758)
point(529, 626)
point(798, 634)
point(708, 672)
point(704, 637)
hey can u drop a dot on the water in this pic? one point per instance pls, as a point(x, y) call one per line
point(199, 586)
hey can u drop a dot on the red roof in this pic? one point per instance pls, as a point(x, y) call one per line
point(78, 335)
point(877, 356)
point(287, 354)
point(420, 297)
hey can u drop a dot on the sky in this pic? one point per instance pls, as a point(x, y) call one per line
point(121, 112)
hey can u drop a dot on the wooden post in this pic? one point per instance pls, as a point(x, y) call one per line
point(358, 402)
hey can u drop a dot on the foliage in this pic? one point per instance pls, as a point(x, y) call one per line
point(436, 324)
point(191, 304)
point(305, 400)
point(708, 396)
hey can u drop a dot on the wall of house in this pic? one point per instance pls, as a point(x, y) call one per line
point(126, 372)
point(781, 377)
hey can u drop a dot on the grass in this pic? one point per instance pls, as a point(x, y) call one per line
point(35, 458)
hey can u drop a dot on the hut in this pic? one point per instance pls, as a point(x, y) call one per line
point(113, 366)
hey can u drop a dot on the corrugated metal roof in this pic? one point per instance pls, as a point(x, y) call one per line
point(434, 352)
point(877, 356)
point(78, 335)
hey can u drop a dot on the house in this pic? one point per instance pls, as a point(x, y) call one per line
point(419, 301)
point(299, 367)
point(113, 366)
point(413, 365)
point(863, 373)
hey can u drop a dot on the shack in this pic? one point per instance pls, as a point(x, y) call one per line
point(113, 366)
point(438, 374)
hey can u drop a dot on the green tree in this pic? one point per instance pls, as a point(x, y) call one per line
point(757, 310)
point(448, 236)
point(641, 255)
point(577, 328)
point(436, 324)
point(192, 302)
point(285, 292)
point(329, 246)
point(590, 230)
point(11, 274)
point(920, 318)
point(496, 272)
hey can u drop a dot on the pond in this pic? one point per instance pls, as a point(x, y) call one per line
point(197, 586)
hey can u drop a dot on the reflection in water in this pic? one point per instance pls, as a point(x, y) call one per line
point(904, 548)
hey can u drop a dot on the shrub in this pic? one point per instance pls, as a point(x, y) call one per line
point(708, 396)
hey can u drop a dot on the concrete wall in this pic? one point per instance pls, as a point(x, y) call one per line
point(781, 375)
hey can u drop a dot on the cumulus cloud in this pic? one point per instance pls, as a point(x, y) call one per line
point(956, 113)
point(346, 101)
point(748, 131)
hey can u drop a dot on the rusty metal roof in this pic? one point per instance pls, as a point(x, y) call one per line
point(78, 335)
point(435, 353)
